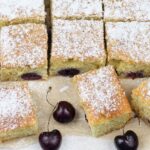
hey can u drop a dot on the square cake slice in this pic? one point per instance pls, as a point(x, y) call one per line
point(141, 101)
point(103, 100)
point(77, 9)
point(128, 46)
point(127, 10)
point(17, 113)
point(77, 46)
point(23, 52)
point(22, 11)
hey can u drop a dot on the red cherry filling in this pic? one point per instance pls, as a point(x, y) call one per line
point(134, 75)
point(31, 76)
point(50, 140)
point(64, 112)
point(69, 72)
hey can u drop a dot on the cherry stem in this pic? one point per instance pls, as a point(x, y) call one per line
point(50, 118)
point(49, 89)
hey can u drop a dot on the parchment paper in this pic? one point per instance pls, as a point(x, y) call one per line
point(76, 135)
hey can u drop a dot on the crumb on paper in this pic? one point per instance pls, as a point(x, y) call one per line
point(63, 89)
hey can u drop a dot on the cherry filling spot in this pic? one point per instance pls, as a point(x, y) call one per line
point(135, 75)
point(69, 72)
point(31, 76)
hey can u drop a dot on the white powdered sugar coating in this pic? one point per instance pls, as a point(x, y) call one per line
point(15, 105)
point(78, 39)
point(129, 41)
point(22, 9)
point(23, 45)
point(100, 89)
point(123, 10)
point(77, 8)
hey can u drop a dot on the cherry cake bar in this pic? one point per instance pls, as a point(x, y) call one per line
point(141, 100)
point(126, 10)
point(21, 11)
point(17, 112)
point(23, 50)
point(77, 46)
point(76, 9)
point(103, 100)
point(128, 47)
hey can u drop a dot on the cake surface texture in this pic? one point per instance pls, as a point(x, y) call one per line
point(77, 43)
point(103, 100)
point(23, 49)
point(77, 9)
point(128, 46)
point(22, 11)
point(17, 112)
point(127, 10)
point(141, 100)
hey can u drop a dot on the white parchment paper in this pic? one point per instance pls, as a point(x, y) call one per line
point(76, 135)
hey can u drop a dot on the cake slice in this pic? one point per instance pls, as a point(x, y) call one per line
point(77, 46)
point(103, 100)
point(126, 10)
point(128, 48)
point(17, 113)
point(141, 100)
point(22, 11)
point(23, 52)
point(77, 9)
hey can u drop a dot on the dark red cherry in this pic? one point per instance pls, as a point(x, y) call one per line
point(128, 141)
point(64, 112)
point(69, 72)
point(31, 76)
point(134, 75)
point(50, 140)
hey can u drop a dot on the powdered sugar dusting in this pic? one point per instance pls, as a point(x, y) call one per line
point(129, 41)
point(101, 90)
point(15, 105)
point(136, 10)
point(78, 39)
point(77, 8)
point(24, 45)
point(22, 9)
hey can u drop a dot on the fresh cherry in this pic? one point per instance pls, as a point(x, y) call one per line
point(134, 75)
point(31, 76)
point(64, 112)
point(50, 140)
point(69, 72)
point(128, 141)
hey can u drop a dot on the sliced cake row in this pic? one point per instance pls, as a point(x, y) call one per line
point(14, 12)
point(110, 10)
point(77, 46)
